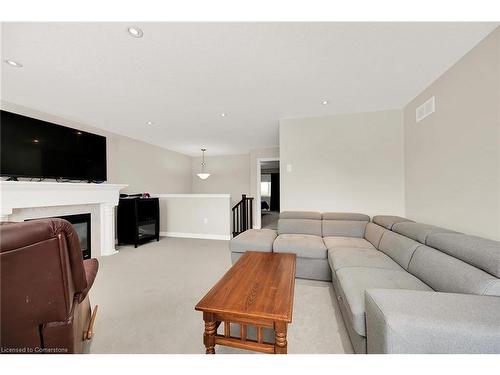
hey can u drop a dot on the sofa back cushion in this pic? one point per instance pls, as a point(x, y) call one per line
point(311, 215)
point(398, 247)
point(374, 233)
point(352, 216)
point(479, 252)
point(418, 231)
point(299, 222)
point(447, 274)
point(388, 221)
point(344, 224)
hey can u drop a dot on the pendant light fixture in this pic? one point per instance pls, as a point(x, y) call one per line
point(203, 175)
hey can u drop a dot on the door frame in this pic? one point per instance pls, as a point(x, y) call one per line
point(258, 223)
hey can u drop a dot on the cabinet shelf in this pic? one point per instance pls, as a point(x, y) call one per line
point(138, 220)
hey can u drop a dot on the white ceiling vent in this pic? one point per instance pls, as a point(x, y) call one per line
point(426, 109)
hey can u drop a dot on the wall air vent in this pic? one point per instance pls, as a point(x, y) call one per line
point(426, 109)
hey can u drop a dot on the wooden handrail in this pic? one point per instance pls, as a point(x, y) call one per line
point(242, 215)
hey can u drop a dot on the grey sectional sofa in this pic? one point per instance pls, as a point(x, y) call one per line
point(402, 286)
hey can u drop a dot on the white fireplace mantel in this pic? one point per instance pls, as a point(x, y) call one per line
point(26, 194)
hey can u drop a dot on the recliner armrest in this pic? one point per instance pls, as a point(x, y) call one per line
point(407, 321)
point(91, 266)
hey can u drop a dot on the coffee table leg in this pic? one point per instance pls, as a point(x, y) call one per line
point(280, 343)
point(209, 335)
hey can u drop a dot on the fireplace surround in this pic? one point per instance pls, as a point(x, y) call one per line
point(21, 200)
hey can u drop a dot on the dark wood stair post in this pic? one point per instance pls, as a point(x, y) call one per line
point(244, 212)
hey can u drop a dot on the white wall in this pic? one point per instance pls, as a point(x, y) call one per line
point(351, 162)
point(144, 167)
point(195, 216)
point(453, 156)
point(230, 174)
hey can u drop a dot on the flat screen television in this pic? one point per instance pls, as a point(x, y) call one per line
point(35, 148)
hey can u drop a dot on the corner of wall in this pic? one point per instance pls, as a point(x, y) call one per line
point(403, 142)
point(457, 146)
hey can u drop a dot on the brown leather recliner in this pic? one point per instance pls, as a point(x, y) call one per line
point(45, 282)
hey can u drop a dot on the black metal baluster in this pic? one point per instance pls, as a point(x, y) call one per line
point(251, 213)
point(242, 215)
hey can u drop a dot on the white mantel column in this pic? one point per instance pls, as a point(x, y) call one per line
point(107, 229)
point(5, 212)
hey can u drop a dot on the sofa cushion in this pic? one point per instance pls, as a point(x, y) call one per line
point(341, 257)
point(418, 322)
point(418, 231)
point(445, 273)
point(336, 241)
point(345, 224)
point(398, 247)
point(299, 226)
point(388, 221)
point(354, 281)
point(480, 252)
point(374, 233)
point(304, 245)
point(255, 240)
point(344, 228)
point(351, 216)
point(311, 215)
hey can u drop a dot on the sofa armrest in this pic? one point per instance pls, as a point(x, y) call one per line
point(255, 240)
point(407, 321)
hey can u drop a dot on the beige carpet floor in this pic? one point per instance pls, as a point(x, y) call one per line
point(146, 299)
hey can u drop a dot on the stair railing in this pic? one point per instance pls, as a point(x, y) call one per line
point(242, 215)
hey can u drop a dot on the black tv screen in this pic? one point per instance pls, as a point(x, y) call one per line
point(35, 148)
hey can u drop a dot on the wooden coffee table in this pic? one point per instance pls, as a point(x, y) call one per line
point(256, 291)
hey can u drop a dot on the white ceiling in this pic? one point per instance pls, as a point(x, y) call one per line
point(182, 76)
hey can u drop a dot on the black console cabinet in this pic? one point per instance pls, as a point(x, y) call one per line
point(138, 220)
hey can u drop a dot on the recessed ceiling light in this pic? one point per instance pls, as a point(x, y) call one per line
point(325, 102)
point(14, 63)
point(135, 32)
point(150, 122)
point(223, 114)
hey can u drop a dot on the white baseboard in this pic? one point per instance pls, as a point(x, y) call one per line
point(197, 235)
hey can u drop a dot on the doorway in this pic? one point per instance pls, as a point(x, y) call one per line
point(268, 192)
